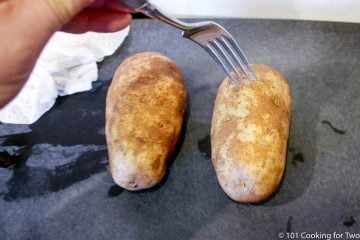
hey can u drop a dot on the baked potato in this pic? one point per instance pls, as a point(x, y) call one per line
point(249, 135)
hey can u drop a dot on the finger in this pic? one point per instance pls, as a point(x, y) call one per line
point(98, 20)
point(64, 11)
point(111, 5)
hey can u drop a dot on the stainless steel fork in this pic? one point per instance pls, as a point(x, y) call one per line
point(212, 37)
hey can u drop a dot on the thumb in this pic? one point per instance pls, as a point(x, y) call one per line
point(65, 10)
point(26, 26)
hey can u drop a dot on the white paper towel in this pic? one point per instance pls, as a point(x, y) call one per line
point(67, 65)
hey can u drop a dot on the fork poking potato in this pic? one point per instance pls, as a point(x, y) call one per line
point(249, 134)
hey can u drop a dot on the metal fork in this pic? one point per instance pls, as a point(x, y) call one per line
point(212, 37)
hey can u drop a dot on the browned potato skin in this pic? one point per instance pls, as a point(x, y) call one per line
point(249, 134)
point(145, 107)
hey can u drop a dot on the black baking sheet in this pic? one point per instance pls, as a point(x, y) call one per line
point(60, 187)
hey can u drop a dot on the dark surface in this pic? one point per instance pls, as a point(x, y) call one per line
point(59, 186)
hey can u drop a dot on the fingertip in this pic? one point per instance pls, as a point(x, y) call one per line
point(117, 6)
point(111, 5)
point(114, 23)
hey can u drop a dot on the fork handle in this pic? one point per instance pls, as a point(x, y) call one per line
point(152, 11)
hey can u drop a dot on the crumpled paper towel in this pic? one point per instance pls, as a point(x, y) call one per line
point(67, 65)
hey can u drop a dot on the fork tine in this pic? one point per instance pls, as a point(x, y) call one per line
point(225, 57)
point(240, 53)
point(209, 49)
point(234, 56)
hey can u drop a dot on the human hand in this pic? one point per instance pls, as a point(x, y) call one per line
point(27, 25)
point(99, 16)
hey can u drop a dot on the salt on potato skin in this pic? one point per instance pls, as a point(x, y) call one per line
point(249, 135)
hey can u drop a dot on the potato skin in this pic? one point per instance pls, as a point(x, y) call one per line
point(249, 134)
point(145, 107)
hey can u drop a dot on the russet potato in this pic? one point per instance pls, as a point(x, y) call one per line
point(145, 108)
point(249, 135)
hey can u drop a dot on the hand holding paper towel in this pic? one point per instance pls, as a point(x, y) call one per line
point(67, 65)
